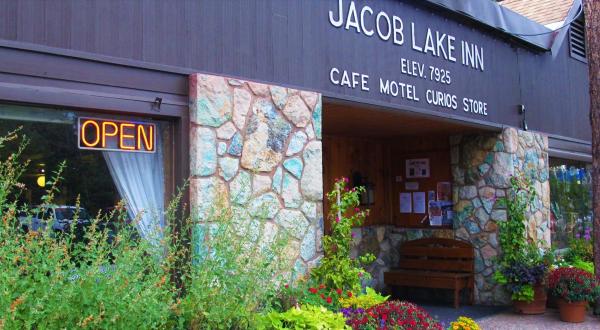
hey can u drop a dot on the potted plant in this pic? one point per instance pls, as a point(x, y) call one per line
point(575, 288)
point(523, 266)
point(525, 278)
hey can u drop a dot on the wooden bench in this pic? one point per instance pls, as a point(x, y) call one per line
point(435, 263)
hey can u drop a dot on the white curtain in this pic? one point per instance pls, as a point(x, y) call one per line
point(139, 178)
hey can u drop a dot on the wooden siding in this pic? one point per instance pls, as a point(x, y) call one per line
point(381, 160)
point(290, 42)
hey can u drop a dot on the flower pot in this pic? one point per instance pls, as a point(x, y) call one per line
point(573, 312)
point(537, 306)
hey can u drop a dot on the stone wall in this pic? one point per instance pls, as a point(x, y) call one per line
point(257, 148)
point(482, 166)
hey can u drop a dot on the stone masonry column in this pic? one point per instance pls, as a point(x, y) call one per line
point(482, 166)
point(257, 148)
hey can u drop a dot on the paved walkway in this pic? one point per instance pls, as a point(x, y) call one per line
point(502, 318)
point(547, 321)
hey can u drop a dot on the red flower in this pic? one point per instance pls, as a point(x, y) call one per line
point(313, 290)
point(322, 286)
point(349, 294)
point(329, 300)
point(287, 286)
point(339, 292)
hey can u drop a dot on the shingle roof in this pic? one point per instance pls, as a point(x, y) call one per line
point(542, 11)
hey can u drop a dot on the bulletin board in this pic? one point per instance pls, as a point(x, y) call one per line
point(423, 188)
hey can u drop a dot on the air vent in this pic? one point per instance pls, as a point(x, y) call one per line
point(577, 39)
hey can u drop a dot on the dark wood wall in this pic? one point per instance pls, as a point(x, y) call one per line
point(290, 42)
point(382, 160)
point(342, 156)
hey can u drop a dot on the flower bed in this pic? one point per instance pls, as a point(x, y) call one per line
point(391, 315)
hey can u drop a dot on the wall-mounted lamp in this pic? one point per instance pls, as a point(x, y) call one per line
point(521, 109)
point(157, 103)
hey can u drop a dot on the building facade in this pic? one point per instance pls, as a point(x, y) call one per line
point(262, 104)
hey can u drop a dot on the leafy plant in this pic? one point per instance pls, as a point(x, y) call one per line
point(573, 284)
point(512, 234)
point(522, 264)
point(392, 315)
point(464, 323)
point(303, 317)
point(337, 269)
point(367, 300)
point(580, 249)
point(304, 292)
point(51, 281)
point(522, 275)
point(584, 265)
point(233, 276)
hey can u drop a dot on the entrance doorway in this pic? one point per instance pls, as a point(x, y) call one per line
point(405, 163)
point(381, 150)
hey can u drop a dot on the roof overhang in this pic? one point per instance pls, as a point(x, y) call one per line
point(501, 19)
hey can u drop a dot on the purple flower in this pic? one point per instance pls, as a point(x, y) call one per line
point(587, 236)
point(353, 235)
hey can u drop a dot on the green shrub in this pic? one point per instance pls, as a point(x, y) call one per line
point(584, 265)
point(337, 269)
point(367, 300)
point(233, 278)
point(580, 249)
point(304, 317)
point(50, 282)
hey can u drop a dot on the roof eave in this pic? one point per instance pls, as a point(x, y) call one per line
point(504, 20)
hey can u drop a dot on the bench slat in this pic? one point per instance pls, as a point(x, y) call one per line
point(439, 265)
point(437, 252)
point(404, 279)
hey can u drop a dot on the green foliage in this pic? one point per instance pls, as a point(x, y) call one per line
point(525, 294)
point(512, 232)
point(367, 300)
point(584, 265)
point(232, 278)
point(522, 264)
point(337, 269)
point(51, 281)
point(580, 249)
point(303, 317)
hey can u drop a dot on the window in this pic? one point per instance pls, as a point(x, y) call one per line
point(571, 201)
point(98, 178)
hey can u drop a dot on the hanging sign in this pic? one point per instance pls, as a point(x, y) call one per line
point(116, 135)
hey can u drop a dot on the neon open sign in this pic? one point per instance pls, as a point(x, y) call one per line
point(116, 135)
